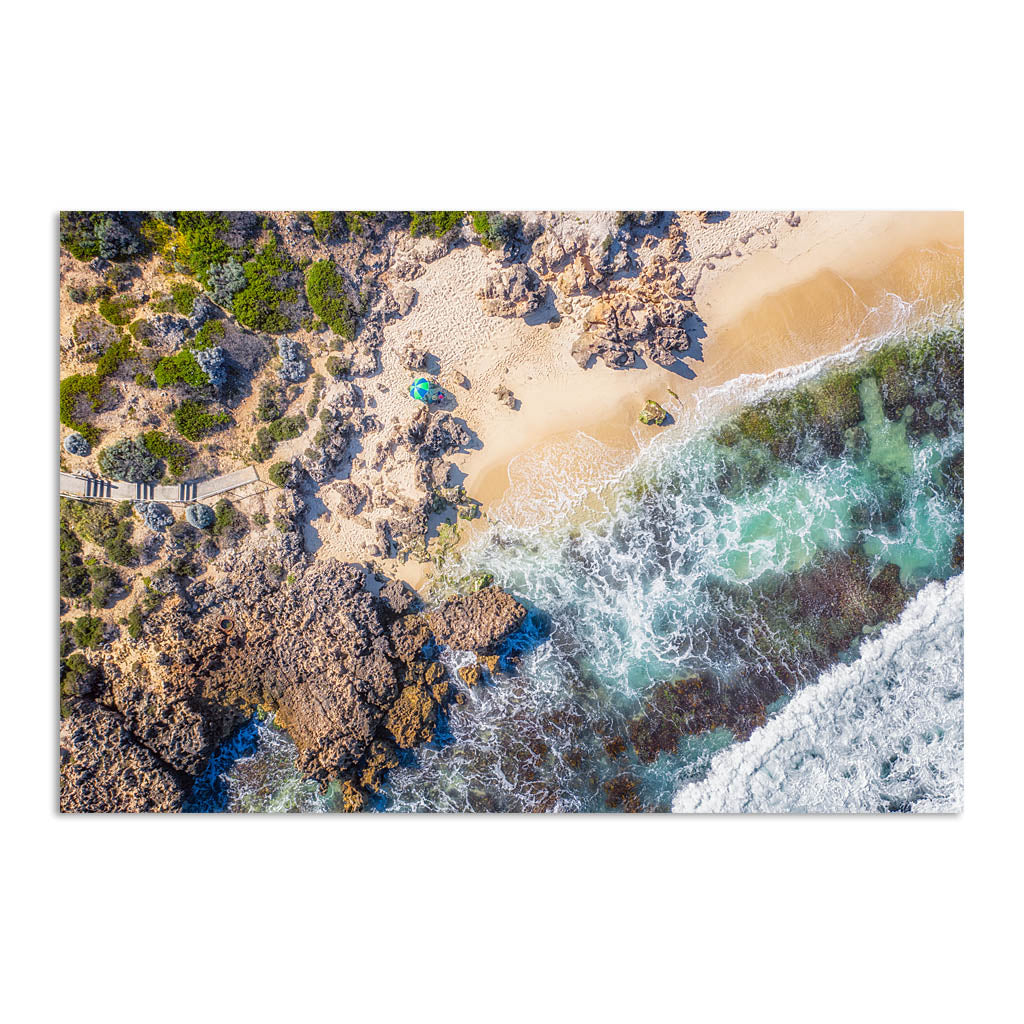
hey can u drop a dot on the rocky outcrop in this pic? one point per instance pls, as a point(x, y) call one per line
point(344, 671)
point(511, 291)
point(103, 767)
point(653, 413)
point(644, 319)
point(476, 622)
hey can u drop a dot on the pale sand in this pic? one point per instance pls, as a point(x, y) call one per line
point(779, 299)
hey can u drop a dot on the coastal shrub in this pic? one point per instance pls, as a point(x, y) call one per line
point(194, 422)
point(200, 244)
point(213, 362)
point(288, 427)
point(133, 622)
point(118, 311)
point(228, 521)
point(225, 280)
point(116, 354)
point(258, 304)
point(493, 228)
point(280, 473)
point(325, 290)
point(183, 297)
point(73, 390)
point(201, 516)
point(75, 444)
point(293, 362)
point(181, 368)
point(323, 223)
point(356, 221)
point(435, 222)
point(105, 581)
point(158, 234)
point(128, 459)
point(174, 453)
point(262, 446)
point(87, 631)
point(154, 516)
point(207, 336)
point(269, 406)
point(74, 578)
point(87, 235)
point(338, 367)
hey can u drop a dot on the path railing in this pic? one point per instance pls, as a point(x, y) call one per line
point(74, 485)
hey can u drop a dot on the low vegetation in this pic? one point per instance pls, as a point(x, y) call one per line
point(258, 304)
point(194, 422)
point(325, 290)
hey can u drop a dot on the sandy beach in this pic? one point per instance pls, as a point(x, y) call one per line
point(781, 299)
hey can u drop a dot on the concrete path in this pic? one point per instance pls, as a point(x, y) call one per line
point(75, 486)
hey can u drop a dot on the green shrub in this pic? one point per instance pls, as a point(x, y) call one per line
point(263, 446)
point(72, 390)
point(118, 311)
point(436, 222)
point(184, 296)
point(495, 229)
point(105, 581)
point(226, 516)
point(260, 519)
point(134, 622)
point(280, 473)
point(269, 406)
point(175, 454)
point(87, 235)
point(357, 220)
point(338, 367)
point(181, 368)
point(87, 631)
point(201, 245)
point(208, 336)
point(325, 289)
point(194, 422)
point(258, 304)
point(117, 353)
point(288, 427)
point(323, 223)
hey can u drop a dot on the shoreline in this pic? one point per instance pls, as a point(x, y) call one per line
point(838, 279)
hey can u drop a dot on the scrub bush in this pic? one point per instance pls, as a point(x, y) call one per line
point(325, 290)
point(129, 459)
point(194, 422)
point(175, 454)
point(293, 362)
point(181, 368)
point(436, 222)
point(213, 363)
point(258, 304)
point(118, 311)
point(155, 516)
point(201, 516)
point(87, 631)
point(75, 444)
point(225, 280)
point(207, 336)
point(280, 473)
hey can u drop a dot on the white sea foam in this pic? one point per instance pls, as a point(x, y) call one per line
point(883, 733)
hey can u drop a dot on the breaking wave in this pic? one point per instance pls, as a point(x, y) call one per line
point(884, 733)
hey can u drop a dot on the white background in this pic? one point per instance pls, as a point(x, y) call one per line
point(519, 105)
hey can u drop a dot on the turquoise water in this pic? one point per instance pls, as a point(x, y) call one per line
point(703, 560)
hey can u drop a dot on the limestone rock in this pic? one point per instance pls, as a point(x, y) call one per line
point(476, 622)
point(511, 291)
point(104, 768)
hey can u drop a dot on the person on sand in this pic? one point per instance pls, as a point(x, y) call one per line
point(425, 390)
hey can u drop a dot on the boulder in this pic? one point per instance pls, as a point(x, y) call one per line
point(476, 622)
point(511, 291)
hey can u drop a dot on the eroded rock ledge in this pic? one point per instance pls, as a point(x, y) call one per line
point(351, 675)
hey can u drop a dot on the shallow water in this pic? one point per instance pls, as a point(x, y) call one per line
point(681, 567)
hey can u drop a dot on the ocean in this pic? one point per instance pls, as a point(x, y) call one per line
point(764, 612)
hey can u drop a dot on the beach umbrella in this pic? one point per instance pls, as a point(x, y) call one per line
point(423, 390)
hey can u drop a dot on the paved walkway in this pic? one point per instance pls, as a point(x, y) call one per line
point(75, 486)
